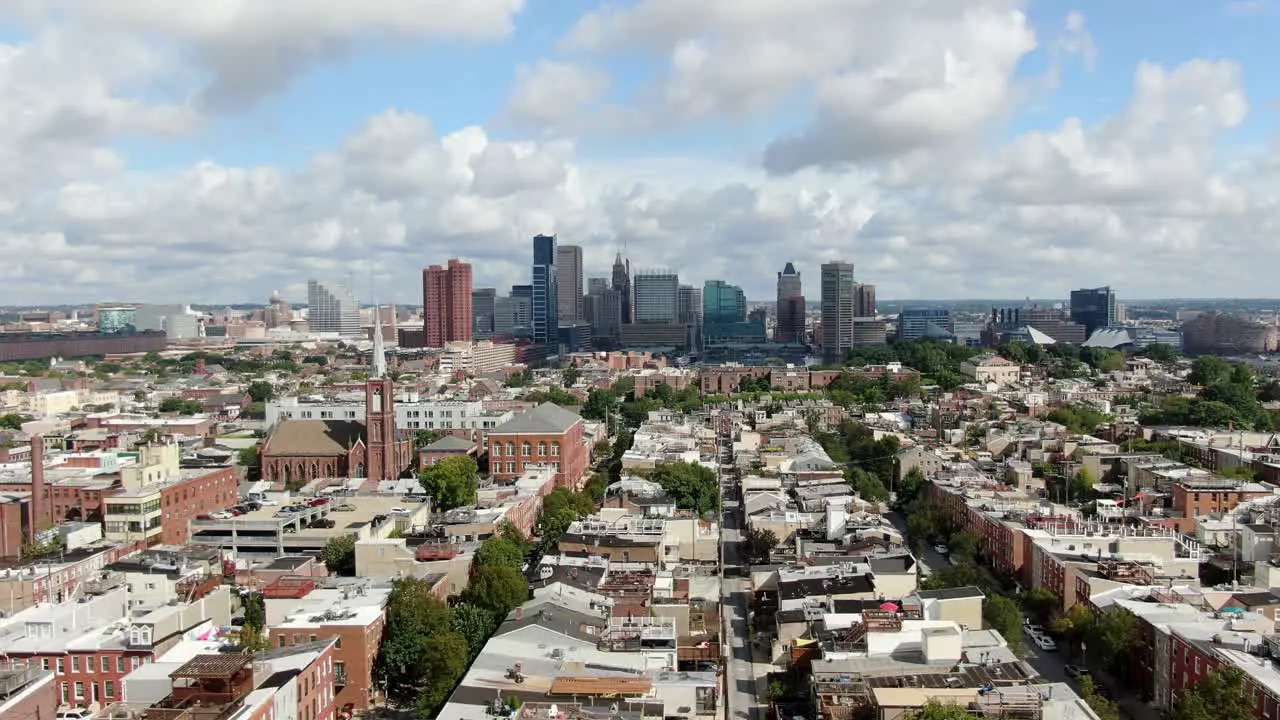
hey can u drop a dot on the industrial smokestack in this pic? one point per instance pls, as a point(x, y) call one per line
point(37, 487)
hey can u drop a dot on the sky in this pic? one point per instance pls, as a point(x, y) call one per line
point(948, 148)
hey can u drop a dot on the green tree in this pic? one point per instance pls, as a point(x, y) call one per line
point(423, 438)
point(599, 405)
point(422, 657)
point(1160, 352)
point(624, 386)
point(964, 546)
point(255, 611)
point(559, 509)
point(13, 421)
point(498, 550)
point(911, 486)
point(339, 554)
point(248, 457)
point(1112, 639)
point(1105, 709)
point(758, 544)
point(868, 486)
point(178, 405)
point(777, 691)
point(570, 376)
point(1074, 626)
point(1103, 359)
point(1207, 370)
point(1221, 695)
point(692, 486)
point(1039, 603)
point(934, 710)
point(497, 588)
point(452, 482)
point(1082, 485)
point(520, 379)
point(1002, 614)
point(260, 391)
point(1078, 419)
point(475, 624)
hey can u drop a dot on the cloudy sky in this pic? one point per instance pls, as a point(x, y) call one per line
point(949, 148)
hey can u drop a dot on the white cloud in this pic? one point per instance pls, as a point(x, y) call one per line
point(251, 48)
point(897, 171)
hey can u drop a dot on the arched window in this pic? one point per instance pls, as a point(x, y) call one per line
point(511, 449)
point(542, 448)
point(359, 470)
point(315, 471)
point(287, 474)
point(555, 449)
point(497, 449)
point(526, 449)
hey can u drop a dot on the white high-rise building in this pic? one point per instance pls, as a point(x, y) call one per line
point(657, 294)
point(331, 308)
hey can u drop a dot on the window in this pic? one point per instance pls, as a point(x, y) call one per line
point(109, 688)
point(66, 689)
point(280, 640)
point(511, 449)
point(75, 667)
point(313, 638)
point(542, 448)
point(526, 449)
point(44, 663)
point(555, 449)
point(338, 645)
point(511, 467)
point(62, 666)
point(106, 664)
point(119, 663)
point(79, 690)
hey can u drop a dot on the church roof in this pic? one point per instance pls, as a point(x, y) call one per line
point(546, 418)
point(321, 438)
point(450, 443)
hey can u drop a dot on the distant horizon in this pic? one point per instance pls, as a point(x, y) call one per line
point(879, 301)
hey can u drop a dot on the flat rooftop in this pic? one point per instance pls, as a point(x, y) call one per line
point(363, 510)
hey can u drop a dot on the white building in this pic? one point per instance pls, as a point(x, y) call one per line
point(331, 308)
point(411, 413)
point(177, 321)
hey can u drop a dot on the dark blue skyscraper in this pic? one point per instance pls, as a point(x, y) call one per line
point(546, 319)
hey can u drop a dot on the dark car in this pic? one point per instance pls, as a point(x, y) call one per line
point(323, 523)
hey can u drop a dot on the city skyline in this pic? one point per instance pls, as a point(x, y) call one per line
point(217, 157)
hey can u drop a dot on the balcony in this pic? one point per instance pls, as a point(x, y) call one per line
point(206, 687)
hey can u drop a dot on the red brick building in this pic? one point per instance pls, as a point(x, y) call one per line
point(446, 303)
point(197, 493)
point(545, 435)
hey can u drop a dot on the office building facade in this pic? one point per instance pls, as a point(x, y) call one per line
point(789, 327)
point(919, 323)
point(446, 304)
point(569, 284)
point(622, 283)
point(655, 296)
point(331, 308)
point(546, 292)
point(838, 310)
point(1094, 308)
point(483, 307)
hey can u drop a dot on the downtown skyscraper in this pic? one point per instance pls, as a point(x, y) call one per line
point(569, 284)
point(546, 294)
point(790, 309)
point(839, 307)
point(622, 283)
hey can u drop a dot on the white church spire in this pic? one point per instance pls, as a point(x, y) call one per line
point(379, 353)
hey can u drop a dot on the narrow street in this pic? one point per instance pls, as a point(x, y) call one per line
point(745, 678)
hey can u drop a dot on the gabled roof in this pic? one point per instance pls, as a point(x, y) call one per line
point(450, 443)
point(546, 418)
point(320, 438)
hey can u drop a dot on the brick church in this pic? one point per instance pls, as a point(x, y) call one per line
point(299, 451)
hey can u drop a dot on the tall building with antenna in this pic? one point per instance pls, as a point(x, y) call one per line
point(622, 284)
point(546, 293)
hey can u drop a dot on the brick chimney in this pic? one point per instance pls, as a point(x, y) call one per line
point(37, 487)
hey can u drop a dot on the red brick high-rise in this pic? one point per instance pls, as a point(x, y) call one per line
point(446, 303)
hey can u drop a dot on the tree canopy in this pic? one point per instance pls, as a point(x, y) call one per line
point(339, 554)
point(422, 656)
point(934, 710)
point(451, 482)
point(1078, 419)
point(692, 486)
point(559, 509)
point(1219, 696)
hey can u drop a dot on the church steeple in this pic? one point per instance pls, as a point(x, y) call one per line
point(379, 352)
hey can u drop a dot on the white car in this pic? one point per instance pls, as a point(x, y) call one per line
point(1034, 631)
point(74, 713)
point(268, 503)
point(1044, 642)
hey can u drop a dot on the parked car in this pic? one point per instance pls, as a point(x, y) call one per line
point(268, 503)
point(1076, 671)
point(1034, 630)
point(318, 502)
point(343, 508)
point(322, 523)
point(283, 513)
point(74, 713)
point(1044, 642)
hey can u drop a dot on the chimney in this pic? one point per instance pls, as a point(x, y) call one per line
point(37, 510)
